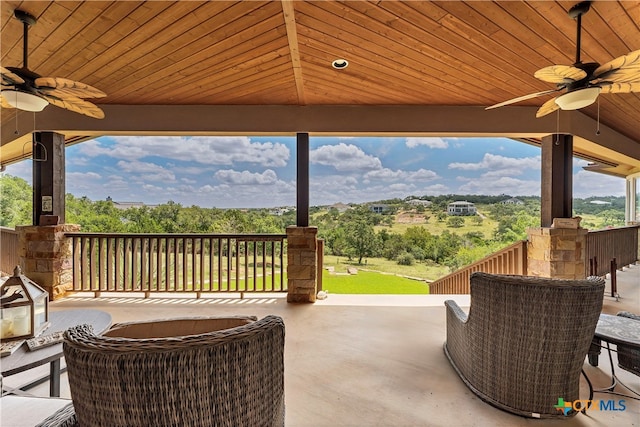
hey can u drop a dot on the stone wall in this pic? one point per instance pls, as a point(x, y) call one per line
point(556, 252)
point(46, 256)
point(301, 263)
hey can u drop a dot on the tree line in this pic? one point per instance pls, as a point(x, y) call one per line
point(356, 233)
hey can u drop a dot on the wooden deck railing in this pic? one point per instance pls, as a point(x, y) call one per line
point(198, 263)
point(510, 260)
point(8, 250)
point(605, 245)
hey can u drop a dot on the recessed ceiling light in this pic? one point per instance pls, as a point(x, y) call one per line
point(339, 64)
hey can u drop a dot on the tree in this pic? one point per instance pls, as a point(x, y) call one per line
point(16, 202)
point(361, 238)
point(455, 222)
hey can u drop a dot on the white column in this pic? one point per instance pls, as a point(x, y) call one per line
point(630, 211)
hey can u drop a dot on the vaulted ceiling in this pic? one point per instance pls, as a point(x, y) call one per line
point(415, 67)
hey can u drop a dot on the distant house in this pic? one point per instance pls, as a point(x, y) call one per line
point(340, 207)
point(378, 208)
point(126, 205)
point(280, 211)
point(461, 208)
point(419, 202)
point(512, 201)
point(599, 202)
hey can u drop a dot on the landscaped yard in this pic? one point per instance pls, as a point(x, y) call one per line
point(368, 282)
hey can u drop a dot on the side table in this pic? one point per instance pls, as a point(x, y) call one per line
point(23, 359)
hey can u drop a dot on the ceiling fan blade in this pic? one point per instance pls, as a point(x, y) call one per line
point(620, 75)
point(79, 89)
point(10, 78)
point(524, 98)
point(623, 87)
point(630, 61)
point(76, 105)
point(560, 74)
point(548, 107)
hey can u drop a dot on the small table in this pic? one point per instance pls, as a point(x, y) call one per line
point(613, 330)
point(23, 359)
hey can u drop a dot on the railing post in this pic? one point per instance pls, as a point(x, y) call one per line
point(320, 263)
point(614, 279)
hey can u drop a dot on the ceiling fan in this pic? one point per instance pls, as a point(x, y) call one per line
point(584, 81)
point(25, 90)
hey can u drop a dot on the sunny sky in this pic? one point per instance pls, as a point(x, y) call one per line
point(249, 172)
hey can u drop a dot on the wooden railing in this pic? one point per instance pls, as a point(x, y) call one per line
point(8, 250)
point(510, 260)
point(153, 263)
point(605, 245)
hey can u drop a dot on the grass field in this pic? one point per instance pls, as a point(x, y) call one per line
point(368, 282)
point(419, 270)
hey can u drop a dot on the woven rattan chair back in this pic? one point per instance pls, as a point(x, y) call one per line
point(524, 341)
point(229, 377)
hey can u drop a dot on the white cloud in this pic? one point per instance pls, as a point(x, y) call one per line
point(391, 175)
point(344, 158)
point(503, 185)
point(232, 177)
point(81, 176)
point(213, 150)
point(431, 142)
point(588, 184)
point(146, 172)
point(498, 166)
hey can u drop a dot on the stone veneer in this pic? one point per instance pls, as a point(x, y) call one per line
point(556, 252)
point(46, 258)
point(301, 263)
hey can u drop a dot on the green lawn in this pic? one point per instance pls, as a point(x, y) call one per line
point(425, 271)
point(369, 282)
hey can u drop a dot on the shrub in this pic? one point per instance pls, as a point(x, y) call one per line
point(405, 259)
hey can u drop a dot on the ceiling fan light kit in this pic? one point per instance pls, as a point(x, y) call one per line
point(578, 98)
point(583, 82)
point(24, 100)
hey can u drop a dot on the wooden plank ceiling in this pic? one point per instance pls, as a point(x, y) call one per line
point(413, 53)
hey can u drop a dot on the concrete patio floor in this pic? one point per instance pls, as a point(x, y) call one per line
point(358, 360)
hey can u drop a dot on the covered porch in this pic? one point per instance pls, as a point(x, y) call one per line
point(355, 360)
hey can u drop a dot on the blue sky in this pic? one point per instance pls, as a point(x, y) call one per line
point(249, 172)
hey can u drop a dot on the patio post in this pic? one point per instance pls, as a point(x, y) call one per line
point(48, 177)
point(556, 179)
point(557, 248)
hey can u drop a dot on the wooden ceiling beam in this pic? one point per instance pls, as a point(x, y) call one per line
point(288, 11)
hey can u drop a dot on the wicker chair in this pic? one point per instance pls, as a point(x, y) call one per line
point(524, 342)
point(181, 372)
point(628, 356)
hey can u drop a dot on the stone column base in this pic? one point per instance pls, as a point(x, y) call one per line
point(301, 264)
point(46, 258)
point(557, 253)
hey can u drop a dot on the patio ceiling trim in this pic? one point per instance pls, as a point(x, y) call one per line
point(517, 122)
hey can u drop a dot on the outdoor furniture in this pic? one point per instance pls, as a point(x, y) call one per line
point(629, 355)
point(186, 372)
point(24, 359)
point(524, 341)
